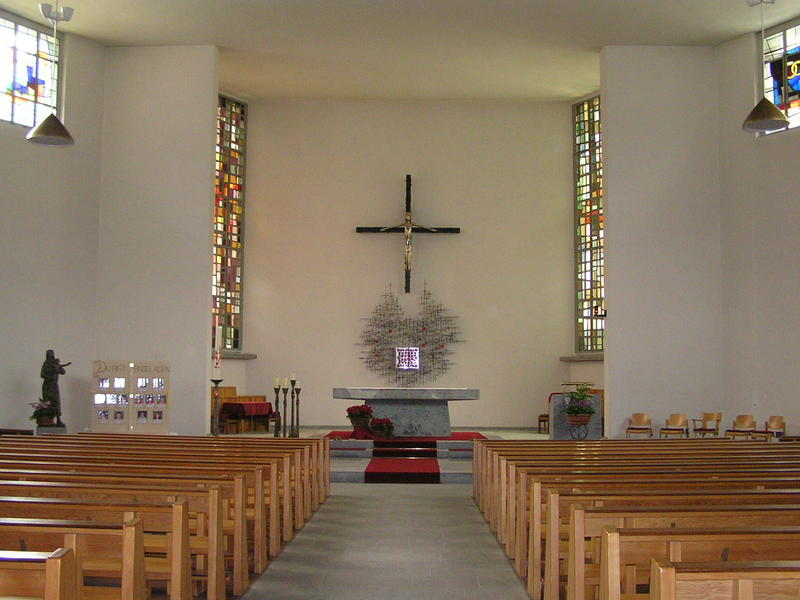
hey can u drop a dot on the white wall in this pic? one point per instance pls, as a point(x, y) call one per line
point(154, 270)
point(761, 255)
point(664, 347)
point(48, 239)
point(500, 171)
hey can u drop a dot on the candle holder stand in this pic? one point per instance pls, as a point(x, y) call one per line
point(284, 413)
point(277, 416)
point(296, 432)
point(215, 407)
point(291, 421)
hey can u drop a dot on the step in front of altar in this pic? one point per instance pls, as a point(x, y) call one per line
point(447, 449)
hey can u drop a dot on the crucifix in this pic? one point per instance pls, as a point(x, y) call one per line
point(407, 228)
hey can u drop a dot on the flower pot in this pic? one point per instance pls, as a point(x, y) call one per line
point(359, 421)
point(45, 421)
point(384, 434)
point(576, 420)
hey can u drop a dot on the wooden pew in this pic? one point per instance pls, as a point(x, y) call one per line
point(559, 506)
point(532, 559)
point(167, 519)
point(589, 521)
point(129, 464)
point(777, 580)
point(45, 575)
point(204, 505)
point(626, 553)
point(306, 484)
point(93, 543)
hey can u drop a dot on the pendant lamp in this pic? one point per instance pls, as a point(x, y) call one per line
point(51, 131)
point(765, 116)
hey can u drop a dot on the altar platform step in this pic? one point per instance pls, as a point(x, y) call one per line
point(442, 449)
point(402, 470)
point(398, 452)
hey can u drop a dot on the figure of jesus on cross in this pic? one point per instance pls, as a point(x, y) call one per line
point(408, 228)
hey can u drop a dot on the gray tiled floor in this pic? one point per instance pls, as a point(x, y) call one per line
point(393, 542)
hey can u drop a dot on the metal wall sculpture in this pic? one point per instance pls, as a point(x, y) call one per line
point(388, 329)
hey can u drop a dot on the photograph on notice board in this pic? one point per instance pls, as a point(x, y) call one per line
point(119, 417)
point(141, 417)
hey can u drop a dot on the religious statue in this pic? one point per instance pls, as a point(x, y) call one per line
point(51, 369)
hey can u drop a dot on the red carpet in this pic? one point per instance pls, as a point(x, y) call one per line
point(457, 436)
point(402, 470)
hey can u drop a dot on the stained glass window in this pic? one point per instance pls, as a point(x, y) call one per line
point(28, 71)
point(226, 279)
point(589, 252)
point(782, 70)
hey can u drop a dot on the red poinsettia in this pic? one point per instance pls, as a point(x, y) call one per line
point(361, 410)
point(381, 423)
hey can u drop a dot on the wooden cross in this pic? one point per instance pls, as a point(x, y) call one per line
point(407, 228)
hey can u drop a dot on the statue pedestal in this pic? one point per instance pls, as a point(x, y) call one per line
point(49, 429)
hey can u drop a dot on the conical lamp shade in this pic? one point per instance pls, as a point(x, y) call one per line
point(765, 117)
point(50, 132)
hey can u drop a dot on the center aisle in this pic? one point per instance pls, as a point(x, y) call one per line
point(392, 541)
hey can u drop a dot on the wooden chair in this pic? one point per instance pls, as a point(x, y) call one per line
point(677, 424)
point(544, 423)
point(743, 426)
point(639, 423)
point(773, 427)
point(708, 424)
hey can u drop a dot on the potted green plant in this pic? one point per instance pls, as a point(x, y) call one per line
point(44, 413)
point(578, 405)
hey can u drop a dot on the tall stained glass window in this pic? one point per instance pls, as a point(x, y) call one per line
point(782, 69)
point(226, 280)
point(589, 252)
point(28, 71)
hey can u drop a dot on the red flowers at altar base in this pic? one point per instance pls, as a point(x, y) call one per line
point(381, 423)
point(361, 410)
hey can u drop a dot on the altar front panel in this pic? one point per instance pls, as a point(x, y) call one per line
point(415, 412)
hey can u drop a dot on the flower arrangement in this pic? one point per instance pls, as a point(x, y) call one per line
point(359, 411)
point(579, 402)
point(42, 409)
point(382, 428)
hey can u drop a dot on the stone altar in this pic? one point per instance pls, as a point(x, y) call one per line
point(416, 412)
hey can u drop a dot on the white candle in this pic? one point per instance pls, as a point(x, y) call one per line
point(286, 382)
point(293, 377)
point(277, 381)
point(297, 384)
point(218, 338)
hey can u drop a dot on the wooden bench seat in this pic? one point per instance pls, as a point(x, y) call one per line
point(588, 522)
point(42, 575)
point(625, 554)
point(169, 520)
point(759, 580)
point(120, 544)
point(558, 510)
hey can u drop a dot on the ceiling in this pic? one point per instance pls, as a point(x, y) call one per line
point(411, 49)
